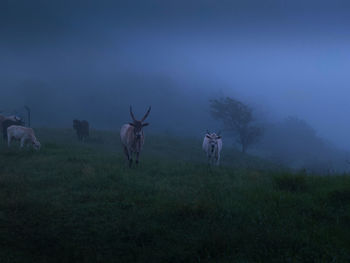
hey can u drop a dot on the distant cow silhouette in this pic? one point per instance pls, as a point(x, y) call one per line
point(81, 128)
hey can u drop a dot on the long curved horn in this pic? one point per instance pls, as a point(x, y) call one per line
point(146, 115)
point(208, 131)
point(132, 114)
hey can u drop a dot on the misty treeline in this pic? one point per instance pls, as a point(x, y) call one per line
point(295, 143)
point(238, 120)
point(178, 109)
point(291, 142)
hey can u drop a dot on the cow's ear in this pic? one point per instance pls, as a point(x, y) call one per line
point(131, 124)
point(218, 137)
point(145, 124)
point(207, 136)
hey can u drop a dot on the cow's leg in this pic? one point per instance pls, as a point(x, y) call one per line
point(137, 157)
point(9, 140)
point(208, 159)
point(130, 157)
point(213, 160)
point(23, 140)
point(217, 158)
point(126, 152)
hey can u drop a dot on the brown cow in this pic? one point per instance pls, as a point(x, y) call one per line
point(82, 129)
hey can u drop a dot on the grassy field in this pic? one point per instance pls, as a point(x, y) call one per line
point(78, 202)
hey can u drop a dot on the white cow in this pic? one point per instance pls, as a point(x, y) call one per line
point(23, 134)
point(132, 136)
point(212, 145)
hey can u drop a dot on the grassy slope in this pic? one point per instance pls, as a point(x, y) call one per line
point(76, 202)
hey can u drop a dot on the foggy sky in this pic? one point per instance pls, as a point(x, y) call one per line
point(286, 57)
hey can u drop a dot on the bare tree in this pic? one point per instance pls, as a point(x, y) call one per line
point(237, 119)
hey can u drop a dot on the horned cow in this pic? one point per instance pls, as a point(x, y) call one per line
point(82, 129)
point(24, 134)
point(212, 145)
point(132, 136)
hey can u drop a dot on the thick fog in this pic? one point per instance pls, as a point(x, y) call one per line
point(92, 59)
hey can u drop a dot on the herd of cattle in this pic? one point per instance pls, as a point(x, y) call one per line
point(131, 135)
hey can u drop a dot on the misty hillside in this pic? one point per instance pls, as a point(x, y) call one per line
point(293, 142)
point(269, 78)
point(175, 111)
point(73, 60)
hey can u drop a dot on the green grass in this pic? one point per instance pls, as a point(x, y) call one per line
point(78, 202)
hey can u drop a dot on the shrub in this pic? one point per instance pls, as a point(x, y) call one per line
point(290, 183)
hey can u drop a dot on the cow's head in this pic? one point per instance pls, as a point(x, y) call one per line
point(138, 125)
point(36, 145)
point(213, 140)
